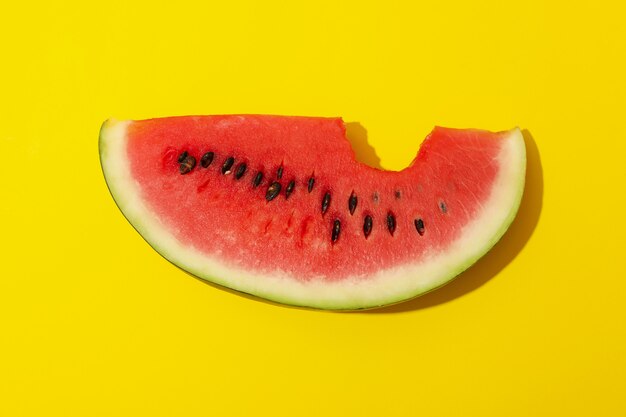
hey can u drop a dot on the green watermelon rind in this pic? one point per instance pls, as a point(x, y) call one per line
point(351, 294)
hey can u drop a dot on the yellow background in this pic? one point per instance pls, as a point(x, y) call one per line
point(93, 322)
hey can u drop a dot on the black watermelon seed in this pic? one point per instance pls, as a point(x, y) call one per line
point(206, 159)
point(391, 223)
point(419, 226)
point(398, 195)
point(187, 165)
point(336, 229)
point(228, 164)
point(272, 191)
point(182, 157)
point(241, 169)
point(325, 202)
point(311, 184)
point(367, 226)
point(443, 207)
point(257, 179)
point(279, 173)
point(289, 188)
point(352, 203)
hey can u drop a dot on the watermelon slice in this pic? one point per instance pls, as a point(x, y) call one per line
point(279, 208)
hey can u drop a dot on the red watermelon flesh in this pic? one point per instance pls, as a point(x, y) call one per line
point(311, 246)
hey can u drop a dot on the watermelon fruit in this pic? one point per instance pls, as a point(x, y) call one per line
point(278, 207)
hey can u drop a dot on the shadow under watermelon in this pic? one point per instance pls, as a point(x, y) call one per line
point(503, 253)
point(363, 151)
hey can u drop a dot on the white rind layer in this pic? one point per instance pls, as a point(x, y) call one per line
point(384, 287)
